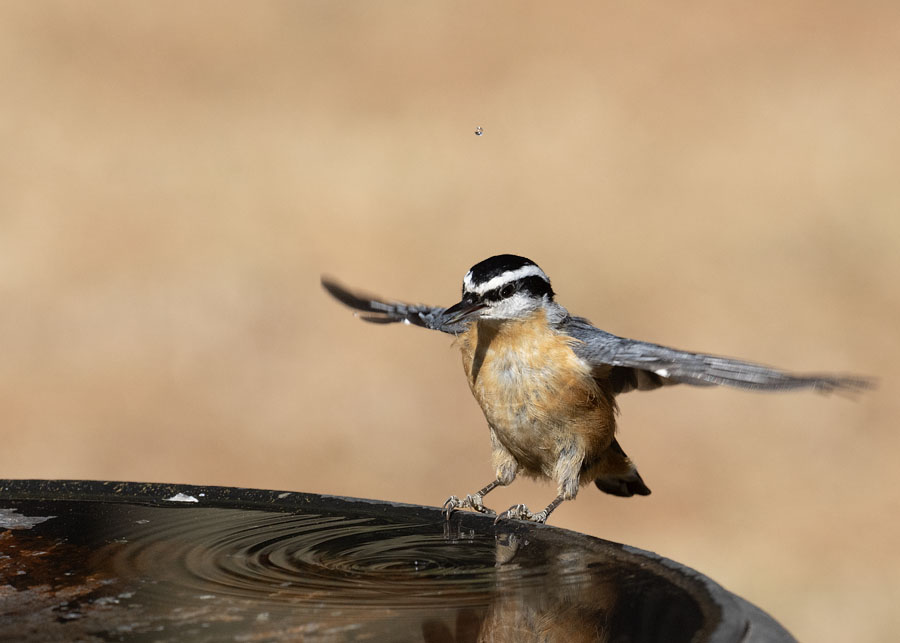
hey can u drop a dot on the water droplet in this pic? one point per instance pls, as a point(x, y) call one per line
point(479, 130)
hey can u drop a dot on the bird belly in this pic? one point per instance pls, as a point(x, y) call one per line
point(538, 396)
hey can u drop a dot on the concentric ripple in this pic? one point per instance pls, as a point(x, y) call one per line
point(290, 558)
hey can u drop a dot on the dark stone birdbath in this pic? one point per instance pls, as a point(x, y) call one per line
point(125, 561)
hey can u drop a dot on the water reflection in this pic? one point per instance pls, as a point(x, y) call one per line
point(122, 571)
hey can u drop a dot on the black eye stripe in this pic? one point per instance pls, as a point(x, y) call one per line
point(537, 286)
point(533, 286)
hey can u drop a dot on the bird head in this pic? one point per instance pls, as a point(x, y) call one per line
point(503, 287)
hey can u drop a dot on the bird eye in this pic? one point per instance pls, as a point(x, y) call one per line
point(507, 291)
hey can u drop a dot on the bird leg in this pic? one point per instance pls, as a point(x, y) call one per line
point(471, 501)
point(521, 512)
point(570, 459)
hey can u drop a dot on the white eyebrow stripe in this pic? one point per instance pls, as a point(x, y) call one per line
point(505, 278)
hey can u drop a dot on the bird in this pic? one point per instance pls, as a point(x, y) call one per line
point(547, 381)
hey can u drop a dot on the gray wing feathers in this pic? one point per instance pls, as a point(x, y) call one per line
point(643, 365)
point(378, 311)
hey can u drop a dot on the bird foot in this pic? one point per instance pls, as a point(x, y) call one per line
point(521, 512)
point(474, 501)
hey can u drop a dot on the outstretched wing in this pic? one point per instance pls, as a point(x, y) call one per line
point(630, 364)
point(378, 311)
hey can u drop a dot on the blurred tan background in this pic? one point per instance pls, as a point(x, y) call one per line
point(715, 176)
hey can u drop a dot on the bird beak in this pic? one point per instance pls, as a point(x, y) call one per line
point(462, 310)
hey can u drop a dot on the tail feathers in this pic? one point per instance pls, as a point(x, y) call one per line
point(625, 486)
point(619, 475)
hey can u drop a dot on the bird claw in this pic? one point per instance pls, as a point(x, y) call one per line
point(476, 501)
point(521, 512)
point(452, 503)
point(472, 501)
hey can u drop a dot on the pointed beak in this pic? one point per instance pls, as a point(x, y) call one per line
point(462, 310)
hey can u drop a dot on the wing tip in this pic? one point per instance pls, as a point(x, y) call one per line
point(370, 308)
point(355, 300)
point(847, 384)
point(336, 290)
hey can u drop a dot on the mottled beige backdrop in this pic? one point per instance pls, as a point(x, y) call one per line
point(718, 176)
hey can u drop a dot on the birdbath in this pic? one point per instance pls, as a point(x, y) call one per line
point(125, 561)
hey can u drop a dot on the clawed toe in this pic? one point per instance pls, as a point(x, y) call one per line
point(520, 512)
point(476, 501)
point(452, 503)
point(471, 501)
